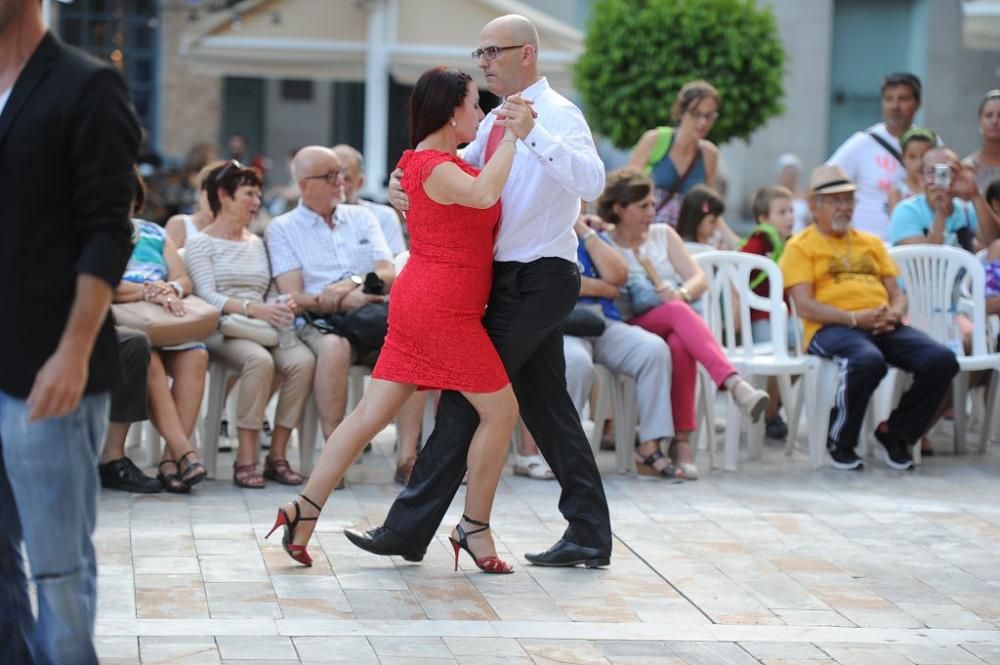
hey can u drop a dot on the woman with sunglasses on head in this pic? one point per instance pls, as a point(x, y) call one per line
point(679, 158)
point(986, 160)
point(230, 269)
point(436, 337)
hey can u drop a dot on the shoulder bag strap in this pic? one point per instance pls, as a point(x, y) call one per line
point(885, 144)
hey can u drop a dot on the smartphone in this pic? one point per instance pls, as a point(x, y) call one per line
point(942, 176)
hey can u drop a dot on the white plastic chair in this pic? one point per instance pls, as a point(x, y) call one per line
point(931, 274)
point(729, 273)
point(615, 400)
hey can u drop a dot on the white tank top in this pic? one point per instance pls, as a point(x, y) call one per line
point(190, 230)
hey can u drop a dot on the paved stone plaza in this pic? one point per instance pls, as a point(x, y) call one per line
point(774, 564)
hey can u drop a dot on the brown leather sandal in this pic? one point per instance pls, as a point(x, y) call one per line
point(247, 476)
point(192, 472)
point(279, 470)
point(645, 466)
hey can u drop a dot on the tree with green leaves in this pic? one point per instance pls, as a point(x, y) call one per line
point(640, 52)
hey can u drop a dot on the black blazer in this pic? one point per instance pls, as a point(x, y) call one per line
point(68, 142)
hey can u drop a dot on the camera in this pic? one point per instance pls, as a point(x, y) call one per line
point(373, 285)
point(942, 176)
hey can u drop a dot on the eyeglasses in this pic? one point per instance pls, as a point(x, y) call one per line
point(711, 116)
point(491, 52)
point(230, 165)
point(330, 177)
point(836, 200)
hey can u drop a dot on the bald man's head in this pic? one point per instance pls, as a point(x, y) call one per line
point(516, 65)
point(317, 171)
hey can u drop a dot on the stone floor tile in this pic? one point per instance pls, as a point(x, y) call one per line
point(340, 650)
point(712, 653)
point(410, 647)
point(941, 655)
point(116, 647)
point(241, 600)
point(988, 653)
point(787, 653)
point(256, 648)
point(166, 565)
point(179, 651)
point(865, 655)
point(483, 646)
point(381, 604)
point(552, 652)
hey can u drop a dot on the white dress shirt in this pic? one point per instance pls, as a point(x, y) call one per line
point(555, 166)
point(389, 221)
point(301, 240)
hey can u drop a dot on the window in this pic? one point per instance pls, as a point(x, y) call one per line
point(124, 32)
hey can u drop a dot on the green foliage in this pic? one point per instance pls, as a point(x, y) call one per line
point(640, 52)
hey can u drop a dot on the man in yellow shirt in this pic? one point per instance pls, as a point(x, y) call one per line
point(843, 284)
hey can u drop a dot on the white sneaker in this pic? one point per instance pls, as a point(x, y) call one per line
point(533, 466)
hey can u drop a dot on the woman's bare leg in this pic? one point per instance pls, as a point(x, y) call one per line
point(497, 417)
point(188, 369)
point(379, 405)
point(162, 410)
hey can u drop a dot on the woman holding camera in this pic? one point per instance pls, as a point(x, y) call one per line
point(230, 269)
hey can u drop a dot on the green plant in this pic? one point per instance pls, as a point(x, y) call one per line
point(638, 54)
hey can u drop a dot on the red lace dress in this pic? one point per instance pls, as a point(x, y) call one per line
point(436, 337)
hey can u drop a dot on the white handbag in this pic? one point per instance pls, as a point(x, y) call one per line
point(244, 327)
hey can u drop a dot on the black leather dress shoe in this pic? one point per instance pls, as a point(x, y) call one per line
point(384, 542)
point(567, 554)
point(122, 474)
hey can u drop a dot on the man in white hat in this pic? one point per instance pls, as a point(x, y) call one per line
point(843, 283)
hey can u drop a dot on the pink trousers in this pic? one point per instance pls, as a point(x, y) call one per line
point(690, 341)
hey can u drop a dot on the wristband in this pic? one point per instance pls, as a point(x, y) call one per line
point(246, 308)
point(588, 235)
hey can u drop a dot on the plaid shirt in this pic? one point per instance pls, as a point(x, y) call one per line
point(301, 240)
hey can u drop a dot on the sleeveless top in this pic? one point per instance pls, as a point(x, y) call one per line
point(656, 248)
point(664, 174)
point(190, 230)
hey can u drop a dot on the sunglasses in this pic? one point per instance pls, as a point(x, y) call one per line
point(227, 169)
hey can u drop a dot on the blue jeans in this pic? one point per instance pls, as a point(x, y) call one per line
point(48, 498)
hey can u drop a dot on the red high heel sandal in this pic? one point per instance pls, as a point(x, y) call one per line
point(297, 552)
point(488, 564)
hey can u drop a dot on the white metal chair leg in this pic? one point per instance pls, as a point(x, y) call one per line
point(625, 419)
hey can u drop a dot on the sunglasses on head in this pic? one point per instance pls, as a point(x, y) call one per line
point(227, 169)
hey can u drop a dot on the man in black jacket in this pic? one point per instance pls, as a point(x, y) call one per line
point(68, 143)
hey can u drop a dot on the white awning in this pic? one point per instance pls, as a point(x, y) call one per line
point(981, 24)
point(328, 39)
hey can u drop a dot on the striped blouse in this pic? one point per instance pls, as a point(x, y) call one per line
point(221, 269)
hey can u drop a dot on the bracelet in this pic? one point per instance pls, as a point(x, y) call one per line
point(246, 308)
point(588, 235)
point(854, 319)
point(685, 294)
point(510, 140)
point(178, 289)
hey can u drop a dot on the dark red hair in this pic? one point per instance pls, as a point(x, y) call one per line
point(439, 91)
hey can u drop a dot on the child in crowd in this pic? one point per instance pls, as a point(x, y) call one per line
point(774, 213)
point(914, 143)
point(698, 219)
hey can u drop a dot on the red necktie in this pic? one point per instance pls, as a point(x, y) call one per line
point(493, 141)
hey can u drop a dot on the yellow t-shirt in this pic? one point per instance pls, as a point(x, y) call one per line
point(845, 271)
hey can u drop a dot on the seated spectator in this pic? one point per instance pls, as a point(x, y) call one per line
point(321, 254)
point(992, 259)
point(985, 160)
point(949, 213)
point(657, 257)
point(128, 405)
point(623, 349)
point(789, 174)
point(698, 220)
point(775, 217)
point(352, 162)
point(183, 226)
point(230, 270)
point(843, 283)
point(156, 273)
point(913, 144)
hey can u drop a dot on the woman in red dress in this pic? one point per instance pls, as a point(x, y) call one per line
point(436, 338)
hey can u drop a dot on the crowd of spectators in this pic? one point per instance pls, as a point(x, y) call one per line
point(312, 261)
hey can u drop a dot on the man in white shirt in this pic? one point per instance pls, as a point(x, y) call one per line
point(321, 253)
point(872, 159)
point(535, 284)
point(352, 162)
